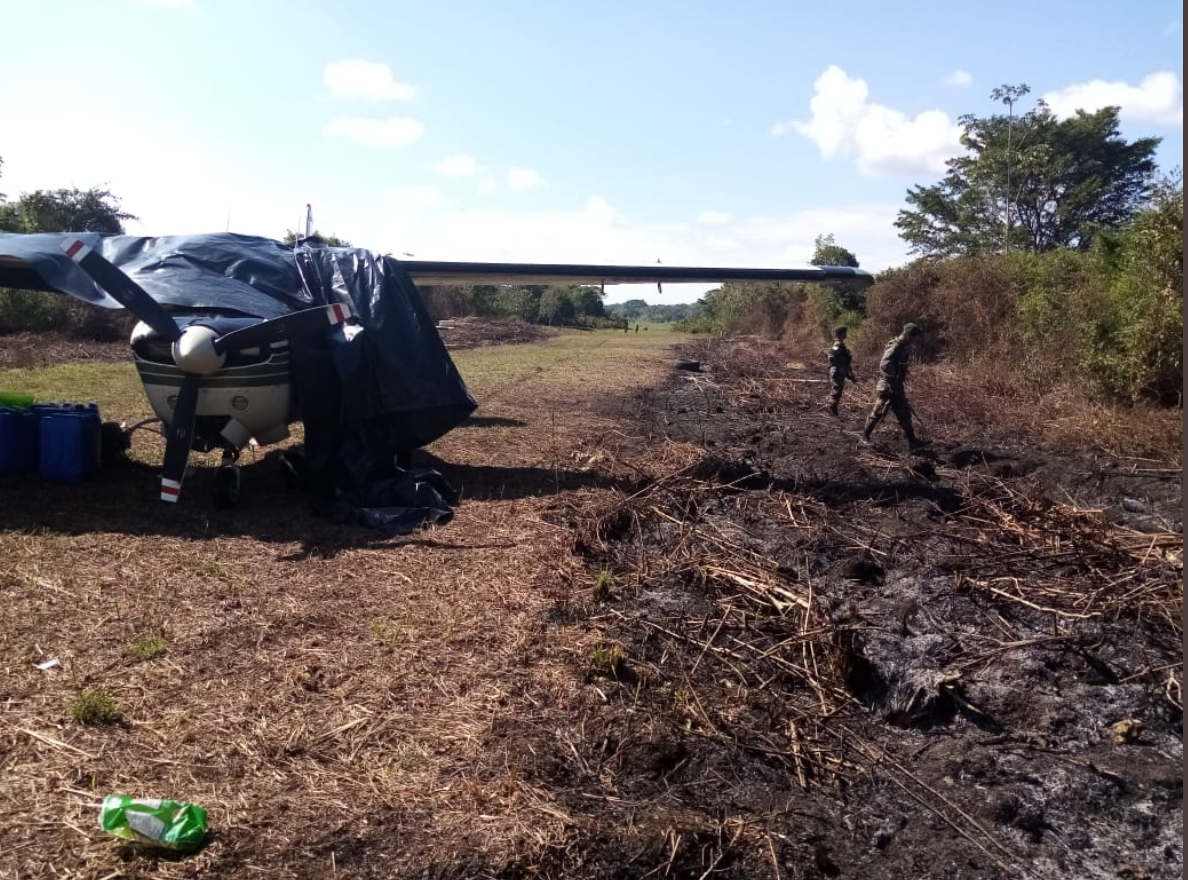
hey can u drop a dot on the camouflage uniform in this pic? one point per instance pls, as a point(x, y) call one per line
point(893, 370)
point(840, 369)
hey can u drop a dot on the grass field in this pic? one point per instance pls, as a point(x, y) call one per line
point(305, 682)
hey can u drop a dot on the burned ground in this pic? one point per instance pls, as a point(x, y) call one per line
point(682, 626)
point(961, 663)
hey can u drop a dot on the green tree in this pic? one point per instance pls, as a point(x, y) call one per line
point(1031, 182)
point(519, 302)
point(556, 307)
point(832, 302)
point(631, 309)
point(587, 301)
point(329, 240)
point(829, 253)
point(1136, 336)
point(65, 210)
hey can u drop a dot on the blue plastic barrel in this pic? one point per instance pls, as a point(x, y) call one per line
point(18, 441)
point(69, 443)
point(94, 436)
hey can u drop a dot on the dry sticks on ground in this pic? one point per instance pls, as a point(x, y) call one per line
point(759, 621)
point(1064, 560)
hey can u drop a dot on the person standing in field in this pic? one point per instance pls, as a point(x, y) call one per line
point(840, 368)
point(893, 371)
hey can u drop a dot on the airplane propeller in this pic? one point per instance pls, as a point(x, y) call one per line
point(122, 289)
point(197, 350)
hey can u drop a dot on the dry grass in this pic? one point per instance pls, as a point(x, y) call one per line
point(969, 401)
point(467, 701)
point(324, 692)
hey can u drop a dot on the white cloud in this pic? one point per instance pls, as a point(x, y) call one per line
point(396, 131)
point(602, 212)
point(458, 165)
point(1158, 99)
point(883, 140)
point(959, 77)
point(524, 178)
point(355, 79)
point(487, 186)
point(596, 232)
point(714, 218)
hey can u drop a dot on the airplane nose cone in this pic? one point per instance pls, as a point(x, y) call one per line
point(194, 352)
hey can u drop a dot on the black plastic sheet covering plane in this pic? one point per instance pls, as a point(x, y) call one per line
point(398, 382)
point(366, 392)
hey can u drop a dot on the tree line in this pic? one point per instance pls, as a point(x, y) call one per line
point(61, 210)
point(1052, 249)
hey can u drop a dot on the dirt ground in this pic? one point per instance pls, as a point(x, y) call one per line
point(685, 627)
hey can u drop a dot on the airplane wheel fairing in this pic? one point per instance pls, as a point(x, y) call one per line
point(226, 491)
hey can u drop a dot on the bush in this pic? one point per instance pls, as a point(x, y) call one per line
point(29, 311)
point(95, 706)
point(446, 301)
point(1137, 327)
point(1110, 321)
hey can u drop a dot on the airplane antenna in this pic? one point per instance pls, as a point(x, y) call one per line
point(308, 220)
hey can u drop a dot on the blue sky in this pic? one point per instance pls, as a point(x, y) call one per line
point(708, 133)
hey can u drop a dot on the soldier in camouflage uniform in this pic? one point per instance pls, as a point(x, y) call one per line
point(893, 370)
point(840, 369)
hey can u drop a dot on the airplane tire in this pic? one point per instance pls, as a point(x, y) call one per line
point(226, 489)
point(114, 443)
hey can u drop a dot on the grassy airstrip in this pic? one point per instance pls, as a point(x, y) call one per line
point(306, 682)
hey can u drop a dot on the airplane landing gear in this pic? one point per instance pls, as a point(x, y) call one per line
point(226, 487)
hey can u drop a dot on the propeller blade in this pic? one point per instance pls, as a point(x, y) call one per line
point(274, 329)
point(122, 289)
point(179, 439)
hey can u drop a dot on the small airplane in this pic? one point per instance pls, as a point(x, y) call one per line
point(240, 337)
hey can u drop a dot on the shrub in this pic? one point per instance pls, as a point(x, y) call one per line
point(94, 706)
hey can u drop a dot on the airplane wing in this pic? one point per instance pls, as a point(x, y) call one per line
point(428, 274)
point(37, 262)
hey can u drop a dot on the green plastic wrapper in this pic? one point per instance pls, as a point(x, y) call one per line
point(16, 400)
point(173, 824)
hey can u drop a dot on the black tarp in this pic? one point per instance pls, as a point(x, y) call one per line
point(385, 381)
